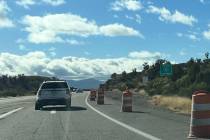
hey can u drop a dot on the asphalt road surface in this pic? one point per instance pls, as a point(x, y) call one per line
point(84, 121)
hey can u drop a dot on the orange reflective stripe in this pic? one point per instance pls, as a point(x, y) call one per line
point(201, 98)
point(201, 114)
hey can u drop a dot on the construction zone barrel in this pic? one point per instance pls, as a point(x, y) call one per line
point(200, 115)
point(126, 101)
point(92, 95)
point(100, 95)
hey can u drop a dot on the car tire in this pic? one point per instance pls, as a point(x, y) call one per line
point(37, 106)
point(68, 105)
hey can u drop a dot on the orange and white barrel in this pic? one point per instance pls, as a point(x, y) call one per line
point(100, 96)
point(92, 95)
point(126, 101)
point(200, 115)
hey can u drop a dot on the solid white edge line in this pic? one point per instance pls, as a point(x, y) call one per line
point(139, 132)
point(2, 116)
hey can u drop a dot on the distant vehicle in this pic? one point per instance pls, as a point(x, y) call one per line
point(53, 93)
point(73, 89)
point(93, 95)
point(86, 89)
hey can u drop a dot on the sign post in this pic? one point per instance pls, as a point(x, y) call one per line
point(145, 80)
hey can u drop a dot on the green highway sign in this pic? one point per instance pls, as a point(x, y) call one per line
point(166, 69)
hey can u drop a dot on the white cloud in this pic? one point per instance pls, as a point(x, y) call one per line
point(119, 30)
point(129, 17)
point(52, 54)
point(27, 3)
point(202, 1)
point(136, 18)
point(145, 55)
point(44, 37)
point(54, 2)
point(176, 17)
point(179, 34)
point(132, 5)
point(206, 34)
point(22, 47)
point(74, 42)
point(5, 22)
point(38, 63)
point(50, 28)
point(191, 35)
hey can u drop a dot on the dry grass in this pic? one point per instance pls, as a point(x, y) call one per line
point(174, 103)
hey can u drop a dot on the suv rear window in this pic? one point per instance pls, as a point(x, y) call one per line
point(54, 85)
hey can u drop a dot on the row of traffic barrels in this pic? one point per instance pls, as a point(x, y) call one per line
point(99, 96)
point(200, 112)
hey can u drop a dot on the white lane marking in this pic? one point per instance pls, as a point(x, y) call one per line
point(10, 112)
point(52, 112)
point(139, 132)
point(14, 99)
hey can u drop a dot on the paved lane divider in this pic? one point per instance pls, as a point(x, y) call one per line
point(200, 115)
point(130, 128)
point(2, 116)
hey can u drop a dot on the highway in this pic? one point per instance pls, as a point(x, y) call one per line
point(87, 121)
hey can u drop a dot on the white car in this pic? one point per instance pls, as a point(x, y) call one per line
point(53, 93)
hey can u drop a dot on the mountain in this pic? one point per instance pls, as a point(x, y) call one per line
point(85, 83)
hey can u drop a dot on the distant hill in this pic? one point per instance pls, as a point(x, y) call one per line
point(85, 83)
point(20, 85)
point(187, 77)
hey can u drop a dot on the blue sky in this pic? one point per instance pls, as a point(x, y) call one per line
point(121, 33)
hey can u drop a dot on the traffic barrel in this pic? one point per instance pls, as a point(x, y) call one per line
point(200, 115)
point(92, 95)
point(126, 101)
point(100, 96)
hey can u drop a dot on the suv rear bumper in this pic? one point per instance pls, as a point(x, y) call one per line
point(45, 102)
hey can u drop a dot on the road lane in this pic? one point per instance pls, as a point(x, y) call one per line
point(2, 116)
point(158, 122)
point(126, 126)
point(11, 103)
point(79, 123)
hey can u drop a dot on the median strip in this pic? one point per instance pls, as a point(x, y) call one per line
point(2, 116)
point(139, 132)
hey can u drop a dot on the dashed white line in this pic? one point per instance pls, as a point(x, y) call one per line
point(2, 116)
point(139, 132)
